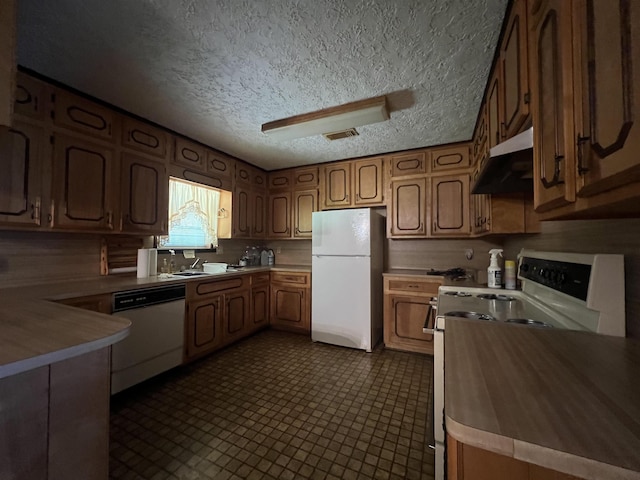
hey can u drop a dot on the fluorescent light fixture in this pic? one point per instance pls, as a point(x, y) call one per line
point(334, 119)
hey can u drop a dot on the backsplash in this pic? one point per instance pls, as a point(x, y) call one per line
point(593, 236)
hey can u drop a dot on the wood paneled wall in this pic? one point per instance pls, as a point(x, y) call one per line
point(41, 257)
point(593, 236)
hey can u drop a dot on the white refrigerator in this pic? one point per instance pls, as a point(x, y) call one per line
point(346, 277)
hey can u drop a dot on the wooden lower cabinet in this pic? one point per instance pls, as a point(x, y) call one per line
point(291, 301)
point(56, 420)
point(406, 309)
point(235, 318)
point(204, 326)
point(465, 462)
point(259, 301)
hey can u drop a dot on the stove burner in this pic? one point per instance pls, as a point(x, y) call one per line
point(458, 294)
point(470, 315)
point(493, 296)
point(529, 322)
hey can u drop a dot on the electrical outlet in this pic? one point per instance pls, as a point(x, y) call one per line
point(278, 250)
point(468, 253)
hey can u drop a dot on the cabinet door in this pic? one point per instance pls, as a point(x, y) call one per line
point(450, 205)
point(145, 138)
point(552, 104)
point(480, 135)
point(219, 165)
point(405, 317)
point(145, 197)
point(493, 108)
point(30, 96)
point(280, 179)
point(368, 181)
point(258, 214)
point(304, 204)
point(190, 155)
point(82, 184)
point(414, 163)
point(236, 316)
point(409, 208)
point(515, 68)
point(244, 173)
point(8, 28)
point(21, 156)
point(450, 158)
point(259, 307)
point(82, 115)
point(336, 183)
point(305, 178)
point(608, 77)
point(204, 326)
point(279, 215)
point(241, 213)
point(289, 308)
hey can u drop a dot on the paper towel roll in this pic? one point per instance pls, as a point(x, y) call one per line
point(143, 263)
point(153, 262)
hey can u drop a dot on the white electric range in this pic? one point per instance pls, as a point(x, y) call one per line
point(559, 291)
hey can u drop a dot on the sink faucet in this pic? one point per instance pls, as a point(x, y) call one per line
point(193, 265)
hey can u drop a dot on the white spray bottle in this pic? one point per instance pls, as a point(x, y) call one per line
point(494, 272)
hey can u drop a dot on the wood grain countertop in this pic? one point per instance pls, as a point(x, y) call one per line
point(565, 400)
point(35, 331)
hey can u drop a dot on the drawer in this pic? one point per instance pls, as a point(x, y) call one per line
point(414, 286)
point(259, 278)
point(290, 277)
point(206, 287)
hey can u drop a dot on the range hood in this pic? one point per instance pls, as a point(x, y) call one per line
point(509, 168)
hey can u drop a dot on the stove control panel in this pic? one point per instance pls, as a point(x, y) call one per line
point(565, 277)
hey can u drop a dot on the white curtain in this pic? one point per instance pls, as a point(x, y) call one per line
point(194, 207)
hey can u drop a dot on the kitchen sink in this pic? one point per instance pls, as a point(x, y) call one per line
point(190, 274)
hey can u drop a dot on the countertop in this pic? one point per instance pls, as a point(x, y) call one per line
point(35, 331)
point(564, 400)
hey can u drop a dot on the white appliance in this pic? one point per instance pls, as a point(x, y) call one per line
point(156, 340)
point(346, 280)
point(566, 291)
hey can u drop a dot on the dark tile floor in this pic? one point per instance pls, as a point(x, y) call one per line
point(277, 406)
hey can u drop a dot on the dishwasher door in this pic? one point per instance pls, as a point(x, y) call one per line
point(155, 343)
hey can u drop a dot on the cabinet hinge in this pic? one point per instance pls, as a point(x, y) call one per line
point(527, 97)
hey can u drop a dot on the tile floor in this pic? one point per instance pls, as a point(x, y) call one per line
point(277, 406)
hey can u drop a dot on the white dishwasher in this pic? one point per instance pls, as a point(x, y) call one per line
point(156, 339)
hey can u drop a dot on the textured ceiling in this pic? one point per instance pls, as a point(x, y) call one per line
point(216, 70)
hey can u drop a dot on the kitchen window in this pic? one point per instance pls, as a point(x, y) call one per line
point(195, 211)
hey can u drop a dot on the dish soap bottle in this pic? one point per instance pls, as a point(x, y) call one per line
point(494, 272)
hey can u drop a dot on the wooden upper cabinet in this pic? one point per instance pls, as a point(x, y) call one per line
point(450, 205)
point(336, 185)
point(449, 158)
point(82, 185)
point(220, 165)
point(244, 173)
point(145, 138)
point(414, 163)
point(30, 97)
point(515, 71)
point(8, 12)
point(190, 155)
point(280, 179)
point(368, 182)
point(144, 188)
point(241, 212)
point(480, 135)
point(408, 208)
point(258, 214)
point(304, 178)
point(493, 108)
point(305, 202)
point(279, 215)
point(82, 115)
point(22, 155)
point(608, 80)
point(552, 103)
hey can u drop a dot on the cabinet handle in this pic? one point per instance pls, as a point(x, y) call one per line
point(35, 211)
point(413, 286)
point(556, 174)
point(346, 197)
point(110, 220)
point(581, 141)
point(297, 230)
